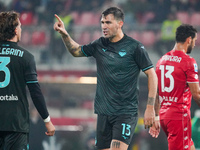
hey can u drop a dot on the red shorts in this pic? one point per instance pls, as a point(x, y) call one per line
point(178, 133)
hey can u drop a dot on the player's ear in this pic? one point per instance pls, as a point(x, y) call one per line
point(189, 40)
point(121, 23)
point(16, 30)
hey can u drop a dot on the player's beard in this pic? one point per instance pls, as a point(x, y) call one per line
point(109, 35)
point(189, 49)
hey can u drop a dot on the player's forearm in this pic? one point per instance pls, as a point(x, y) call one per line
point(152, 92)
point(38, 99)
point(152, 87)
point(73, 47)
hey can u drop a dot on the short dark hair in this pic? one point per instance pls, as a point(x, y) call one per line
point(184, 31)
point(117, 13)
point(8, 24)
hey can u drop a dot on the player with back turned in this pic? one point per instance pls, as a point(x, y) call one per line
point(17, 70)
point(119, 59)
point(177, 83)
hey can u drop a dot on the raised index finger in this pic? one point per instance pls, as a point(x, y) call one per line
point(58, 18)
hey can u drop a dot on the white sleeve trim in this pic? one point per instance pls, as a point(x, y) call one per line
point(192, 82)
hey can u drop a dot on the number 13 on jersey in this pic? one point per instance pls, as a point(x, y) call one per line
point(168, 69)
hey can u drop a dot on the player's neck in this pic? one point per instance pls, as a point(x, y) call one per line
point(180, 47)
point(13, 39)
point(117, 38)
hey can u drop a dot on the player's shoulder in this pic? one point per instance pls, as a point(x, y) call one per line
point(26, 52)
point(126, 38)
point(164, 58)
point(13, 48)
point(132, 40)
point(187, 58)
point(98, 41)
point(102, 41)
point(191, 60)
point(133, 43)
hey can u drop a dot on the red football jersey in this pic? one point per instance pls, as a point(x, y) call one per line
point(174, 70)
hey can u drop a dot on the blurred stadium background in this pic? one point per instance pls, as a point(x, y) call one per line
point(69, 83)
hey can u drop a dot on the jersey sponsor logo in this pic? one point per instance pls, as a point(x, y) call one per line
point(122, 52)
point(195, 68)
point(9, 98)
point(172, 58)
point(12, 51)
point(167, 99)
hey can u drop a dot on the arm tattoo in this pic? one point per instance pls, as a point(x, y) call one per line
point(150, 101)
point(71, 45)
point(116, 144)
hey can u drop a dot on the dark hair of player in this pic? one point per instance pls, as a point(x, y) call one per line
point(117, 13)
point(8, 24)
point(184, 31)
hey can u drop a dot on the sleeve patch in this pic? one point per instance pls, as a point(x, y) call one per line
point(195, 68)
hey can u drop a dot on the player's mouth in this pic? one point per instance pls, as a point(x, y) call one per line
point(105, 33)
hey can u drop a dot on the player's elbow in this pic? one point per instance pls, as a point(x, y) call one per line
point(74, 54)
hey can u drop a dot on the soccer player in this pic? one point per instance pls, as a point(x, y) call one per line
point(177, 83)
point(17, 69)
point(119, 59)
